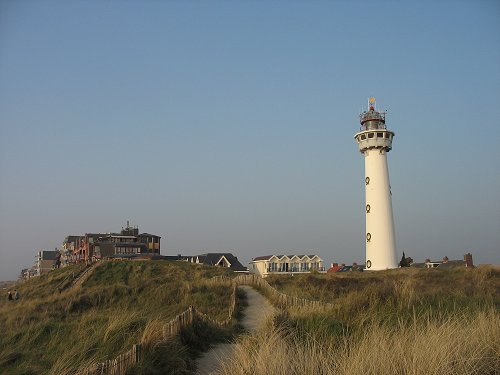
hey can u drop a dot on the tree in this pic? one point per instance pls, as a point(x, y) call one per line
point(405, 262)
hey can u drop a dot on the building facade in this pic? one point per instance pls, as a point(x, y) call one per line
point(45, 261)
point(446, 263)
point(128, 243)
point(285, 264)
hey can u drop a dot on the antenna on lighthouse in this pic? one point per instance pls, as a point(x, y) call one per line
point(371, 103)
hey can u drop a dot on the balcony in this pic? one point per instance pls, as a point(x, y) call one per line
point(293, 270)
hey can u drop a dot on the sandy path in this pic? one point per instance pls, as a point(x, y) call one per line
point(254, 315)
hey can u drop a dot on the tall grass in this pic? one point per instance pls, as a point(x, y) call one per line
point(394, 322)
point(397, 294)
point(49, 331)
point(457, 344)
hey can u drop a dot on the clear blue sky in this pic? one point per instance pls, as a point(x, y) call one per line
point(228, 126)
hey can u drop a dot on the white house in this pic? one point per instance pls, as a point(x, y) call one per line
point(285, 264)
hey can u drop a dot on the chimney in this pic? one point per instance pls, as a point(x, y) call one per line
point(468, 260)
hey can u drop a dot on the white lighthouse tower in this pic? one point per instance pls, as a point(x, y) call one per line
point(375, 141)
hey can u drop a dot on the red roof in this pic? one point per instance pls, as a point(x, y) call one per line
point(334, 269)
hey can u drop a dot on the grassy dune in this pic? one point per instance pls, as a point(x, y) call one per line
point(397, 294)
point(394, 322)
point(122, 303)
point(456, 345)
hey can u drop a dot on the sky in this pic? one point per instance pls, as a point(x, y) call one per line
point(227, 126)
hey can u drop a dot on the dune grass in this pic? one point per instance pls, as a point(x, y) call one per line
point(393, 322)
point(122, 303)
point(458, 345)
point(397, 294)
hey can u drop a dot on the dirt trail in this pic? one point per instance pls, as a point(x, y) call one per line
point(254, 315)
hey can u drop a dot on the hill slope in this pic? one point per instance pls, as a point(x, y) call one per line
point(49, 331)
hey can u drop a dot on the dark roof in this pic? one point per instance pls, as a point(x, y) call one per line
point(48, 254)
point(213, 258)
point(70, 239)
point(148, 235)
point(345, 269)
point(95, 236)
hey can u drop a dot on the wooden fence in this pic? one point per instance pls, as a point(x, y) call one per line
point(129, 359)
point(281, 299)
point(125, 361)
point(117, 366)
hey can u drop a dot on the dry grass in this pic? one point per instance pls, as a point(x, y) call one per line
point(456, 345)
point(397, 294)
point(122, 303)
point(395, 322)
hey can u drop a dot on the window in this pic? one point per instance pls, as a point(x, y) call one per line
point(362, 136)
point(370, 135)
point(380, 135)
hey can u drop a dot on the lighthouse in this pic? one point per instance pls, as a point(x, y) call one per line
point(375, 141)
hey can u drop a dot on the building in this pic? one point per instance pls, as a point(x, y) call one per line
point(375, 141)
point(467, 262)
point(28, 273)
point(128, 243)
point(68, 250)
point(285, 264)
point(45, 261)
point(335, 267)
point(226, 260)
